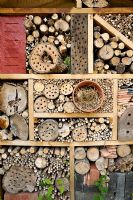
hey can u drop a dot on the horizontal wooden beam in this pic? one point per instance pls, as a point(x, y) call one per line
point(23, 11)
point(62, 144)
point(73, 115)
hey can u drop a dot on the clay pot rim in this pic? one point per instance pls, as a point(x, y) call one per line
point(89, 83)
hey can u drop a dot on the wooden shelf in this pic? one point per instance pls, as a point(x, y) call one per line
point(23, 11)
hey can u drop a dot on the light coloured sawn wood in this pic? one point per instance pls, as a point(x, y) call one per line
point(72, 115)
point(113, 31)
point(90, 43)
point(115, 111)
point(62, 144)
point(72, 172)
point(31, 116)
point(23, 11)
point(78, 3)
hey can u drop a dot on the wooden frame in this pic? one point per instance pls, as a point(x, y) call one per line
point(30, 77)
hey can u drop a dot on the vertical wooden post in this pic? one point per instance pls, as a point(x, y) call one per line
point(90, 43)
point(115, 93)
point(72, 191)
point(31, 112)
point(78, 3)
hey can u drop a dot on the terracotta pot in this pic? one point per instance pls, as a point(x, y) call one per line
point(91, 84)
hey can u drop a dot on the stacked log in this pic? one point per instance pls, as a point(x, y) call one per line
point(112, 56)
point(13, 111)
point(56, 95)
point(95, 3)
point(53, 30)
point(106, 159)
point(70, 130)
point(38, 162)
point(122, 22)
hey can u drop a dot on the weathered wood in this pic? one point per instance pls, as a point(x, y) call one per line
point(120, 187)
point(19, 179)
point(129, 186)
point(19, 127)
point(123, 150)
point(82, 166)
point(79, 43)
point(93, 153)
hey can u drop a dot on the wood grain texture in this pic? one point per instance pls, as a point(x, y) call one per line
point(79, 43)
point(23, 11)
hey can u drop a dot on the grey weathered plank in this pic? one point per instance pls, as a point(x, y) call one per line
point(129, 186)
point(120, 191)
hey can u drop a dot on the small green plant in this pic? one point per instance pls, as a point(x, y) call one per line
point(50, 188)
point(67, 61)
point(102, 188)
point(60, 186)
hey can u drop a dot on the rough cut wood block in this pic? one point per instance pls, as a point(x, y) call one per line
point(129, 186)
point(13, 44)
point(21, 196)
point(79, 41)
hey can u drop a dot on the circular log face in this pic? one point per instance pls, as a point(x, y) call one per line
point(39, 87)
point(69, 107)
point(65, 130)
point(40, 104)
point(48, 130)
point(51, 91)
point(80, 153)
point(19, 179)
point(62, 182)
point(79, 134)
point(106, 52)
point(82, 167)
point(66, 89)
point(93, 154)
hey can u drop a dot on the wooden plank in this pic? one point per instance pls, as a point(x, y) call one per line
point(23, 11)
point(30, 100)
point(76, 144)
point(72, 172)
point(112, 186)
point(65, 76)
point(78, 3)
point(79, 44)
point(129, 186)
point(115, 93)
point(90, 43)
point(73, 115)
point(113, 31)
point(120, 193)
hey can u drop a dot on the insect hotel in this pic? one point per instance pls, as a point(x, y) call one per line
point(66, 103)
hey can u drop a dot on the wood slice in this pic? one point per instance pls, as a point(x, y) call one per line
point(66, 89)
point(80, 153)
point(4, 121)
point(51, 106)
point(115, 61)
point(48, 130)
point(105, 37)
point(61, 25)
point(98, 3)
point(126, 61)
point(65, 130)
point(38, 86)
point(19, 179)
point(40, 162)
point(125, 125)
point(19, 127)
point(100, 164)
point(61, 182)
point(21, 99)
point(106, 52)
point(79, 43)
point(82, 167)
point(69, 107)
point(123, 150)
point(113, 44)
point(51, 91)
point(40, 104)
point(120, 68)
point(36, 34)
point(79, 134)
point(40, 65)
point(129, 53)
point(99, 43)
point(93, 153)
point(37, 20)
